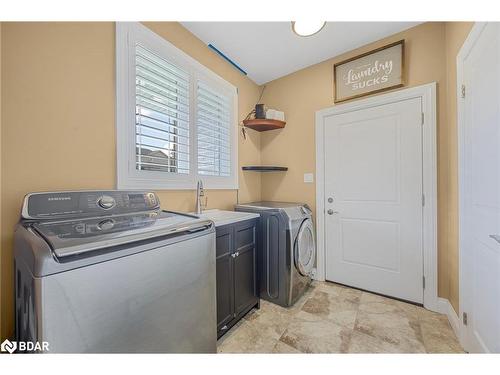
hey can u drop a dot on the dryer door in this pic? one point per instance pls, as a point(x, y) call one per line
point(305, 248)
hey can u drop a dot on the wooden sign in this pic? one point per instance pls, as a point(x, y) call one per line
point(375, 71)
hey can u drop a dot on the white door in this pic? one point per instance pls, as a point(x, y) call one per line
point(480, 193)
point(373, 199)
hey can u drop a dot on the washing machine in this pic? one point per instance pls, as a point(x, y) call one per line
point(110, 272)
point(287, 252)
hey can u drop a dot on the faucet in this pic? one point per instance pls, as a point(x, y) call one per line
point(199, 194)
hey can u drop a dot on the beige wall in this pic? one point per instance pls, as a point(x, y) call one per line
point(456, 33)
point(59, 120)
point(60, 106)
point(302, 93)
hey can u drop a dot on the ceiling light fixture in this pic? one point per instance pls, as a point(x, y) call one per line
point(307, 28)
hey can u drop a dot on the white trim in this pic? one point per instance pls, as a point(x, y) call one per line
point(320, 195)
point(127, 33)
point(466, 49)
point(427, 93)
point(445, 307)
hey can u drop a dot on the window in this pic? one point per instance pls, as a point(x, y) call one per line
point(161, 113)
point(176, 120)
point(214, 132)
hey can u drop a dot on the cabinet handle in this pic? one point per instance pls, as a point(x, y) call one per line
point(224, 328)
point(235, 254)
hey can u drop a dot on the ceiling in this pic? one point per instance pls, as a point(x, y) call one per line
point(270, 50)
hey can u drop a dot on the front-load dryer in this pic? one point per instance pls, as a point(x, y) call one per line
point(287, 252)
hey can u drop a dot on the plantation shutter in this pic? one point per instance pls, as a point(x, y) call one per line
point(162, 114)
point(213, 121)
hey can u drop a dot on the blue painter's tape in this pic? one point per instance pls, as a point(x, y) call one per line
point(226, 58)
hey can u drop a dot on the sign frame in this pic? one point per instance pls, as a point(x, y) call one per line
point(343, 62)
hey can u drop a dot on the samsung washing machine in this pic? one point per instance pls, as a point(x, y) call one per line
point(287, 251)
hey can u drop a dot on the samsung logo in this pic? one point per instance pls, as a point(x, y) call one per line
point(59, 198)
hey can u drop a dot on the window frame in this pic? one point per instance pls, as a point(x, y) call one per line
point(128, 34)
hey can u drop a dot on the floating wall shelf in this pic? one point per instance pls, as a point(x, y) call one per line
point(259, 168)
point(262, 125)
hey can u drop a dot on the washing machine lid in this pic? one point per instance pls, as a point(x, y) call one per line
point(305, 248)
point(71, 237)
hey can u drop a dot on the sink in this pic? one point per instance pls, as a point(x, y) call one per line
point(222, 217)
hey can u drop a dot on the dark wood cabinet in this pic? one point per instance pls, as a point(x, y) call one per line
point(224, 276)
point(236, 273)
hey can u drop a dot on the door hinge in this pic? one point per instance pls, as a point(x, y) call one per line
point(423, 282)
point(463, 91)
point(423, 200)
point(423, 118)
point(464, 318)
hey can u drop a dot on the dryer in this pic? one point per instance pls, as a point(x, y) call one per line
point(287, 252)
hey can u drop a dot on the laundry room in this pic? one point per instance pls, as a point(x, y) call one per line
point(315, 187)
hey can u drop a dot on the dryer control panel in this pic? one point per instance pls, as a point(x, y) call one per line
point(78, 204)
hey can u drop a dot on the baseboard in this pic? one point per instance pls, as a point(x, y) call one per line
point(446, 308)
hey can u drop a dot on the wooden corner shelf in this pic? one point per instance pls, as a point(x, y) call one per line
point(264, 168)
point(262, 125)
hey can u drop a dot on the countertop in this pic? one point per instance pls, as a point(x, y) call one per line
point(222, 217)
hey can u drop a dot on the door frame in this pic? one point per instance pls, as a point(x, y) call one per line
point(464, 52)
point(427, 93)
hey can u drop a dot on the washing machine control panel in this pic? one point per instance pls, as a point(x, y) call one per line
point(106, 202)
point(76, 204)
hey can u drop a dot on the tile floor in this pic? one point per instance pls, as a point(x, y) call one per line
point(331, 318)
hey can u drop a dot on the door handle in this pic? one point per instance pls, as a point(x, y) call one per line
point(496, 237)
point(331, 212)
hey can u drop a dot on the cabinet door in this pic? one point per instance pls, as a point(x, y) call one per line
point(225, 277)
point(245, 288)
